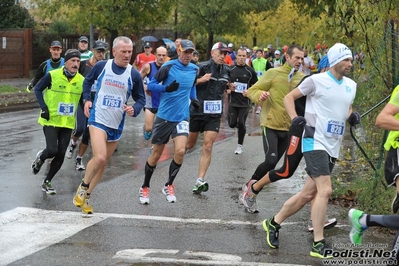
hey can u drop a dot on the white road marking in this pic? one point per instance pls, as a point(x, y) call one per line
point(24, 231)
point(188, 257)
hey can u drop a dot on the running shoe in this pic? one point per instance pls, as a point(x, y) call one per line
point(200, 186)
point(330, 223)
point(356, 232)
point(79, 165)
point(147, 134)
point(46, 187)
point(272, 233)
point(80, 196)
point(249, 198)
point(239, 149)
point(37, 163)
point(70, 150)
point(169, 192)
point(144, 197)
point(86, 207)
point(395, 204)
point(321, 250)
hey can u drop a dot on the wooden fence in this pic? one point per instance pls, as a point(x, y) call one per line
point(15, 53)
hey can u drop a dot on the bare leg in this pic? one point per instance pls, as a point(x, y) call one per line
point(206, 155)
point(319, 207)
point(296, 202)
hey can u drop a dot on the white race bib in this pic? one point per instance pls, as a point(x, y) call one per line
point(66, 109)
point(109, 101)
point(212, 107)
point(182, 127)
point(335, 128)
point(240, 87)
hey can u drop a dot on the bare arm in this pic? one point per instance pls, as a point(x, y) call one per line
point(145, 70)
point(289, 102)
point(204, 78)
point(386, 118)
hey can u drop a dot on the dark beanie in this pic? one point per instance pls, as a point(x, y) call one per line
point(71, 53)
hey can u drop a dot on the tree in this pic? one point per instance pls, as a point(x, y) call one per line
point(115, 16)
point(14, 16)
point(315, 8)
point(218, 17)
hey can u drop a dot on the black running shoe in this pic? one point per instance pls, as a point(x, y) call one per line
point(271, 233)
point(321, 250)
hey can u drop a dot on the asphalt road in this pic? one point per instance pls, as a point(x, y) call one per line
point(207, 229)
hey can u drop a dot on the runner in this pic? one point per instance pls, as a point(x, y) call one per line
point(58, 94)
point(213, 80)
point(114, 81)
point(243, 77)
point(176, 80)
point(151, 98)
point(328, 104)
point(55, 62)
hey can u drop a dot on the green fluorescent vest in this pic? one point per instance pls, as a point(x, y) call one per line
point(259, 65)
point(62, 99)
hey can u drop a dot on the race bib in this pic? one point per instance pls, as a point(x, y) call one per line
point(240, 87)
point(182, 127)
point(259, 73)
point(335, 128)
point(66, 109)
point(110, 101)
point(212, 107)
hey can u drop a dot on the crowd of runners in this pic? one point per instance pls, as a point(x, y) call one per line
point(304, 102)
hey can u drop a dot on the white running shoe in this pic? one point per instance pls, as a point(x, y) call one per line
point(70, 150)
point(79, 164)
point(169, 191)
point(144, 195)
point(239, 149)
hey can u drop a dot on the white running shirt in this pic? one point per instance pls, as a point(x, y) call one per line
point(327, 108)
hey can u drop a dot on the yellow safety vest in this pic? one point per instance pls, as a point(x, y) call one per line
point(62, 99)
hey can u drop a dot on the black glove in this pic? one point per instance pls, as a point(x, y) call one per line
point(297, 125)
point(172, 86)
point(195, 104)
point(45, 114)
point(354, 119)
point(298, 121)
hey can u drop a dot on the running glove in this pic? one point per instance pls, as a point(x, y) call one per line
point(298, 121)
point(354, 119)
point(172, 86)
point(45, 114)
point(195, 104)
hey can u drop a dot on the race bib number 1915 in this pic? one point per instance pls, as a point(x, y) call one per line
point(213, 107)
